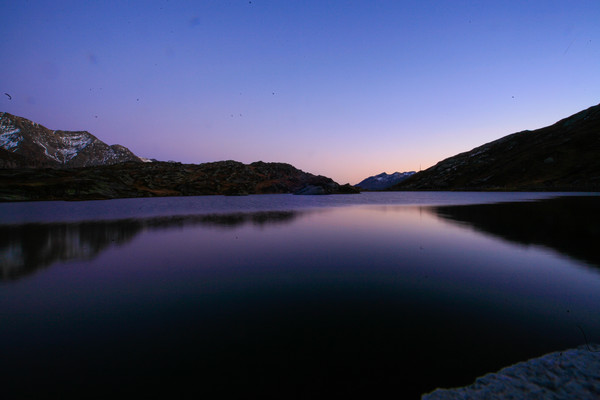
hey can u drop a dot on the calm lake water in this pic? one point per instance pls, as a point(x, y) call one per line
point(292, 296)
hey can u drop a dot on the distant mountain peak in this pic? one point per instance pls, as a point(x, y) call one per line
point(383, 180)
point(33, 145)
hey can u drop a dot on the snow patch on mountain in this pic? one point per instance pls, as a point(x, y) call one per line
point(68, 145)
point(10, 136)
point(64, 146)
point(73, 144)
point(46, 152)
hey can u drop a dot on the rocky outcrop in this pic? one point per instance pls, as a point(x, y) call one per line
point(564, 375)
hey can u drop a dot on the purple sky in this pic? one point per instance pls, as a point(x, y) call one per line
point(345, 89)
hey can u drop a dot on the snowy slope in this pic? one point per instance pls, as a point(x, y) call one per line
point(10, 135)
point(36, 146)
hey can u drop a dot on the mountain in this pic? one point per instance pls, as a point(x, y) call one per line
point(561, 157)
point(135, 179)
point(383, 180)
point(24, 143)
point(39, 164)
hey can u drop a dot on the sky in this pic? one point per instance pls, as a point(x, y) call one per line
point(345, 89)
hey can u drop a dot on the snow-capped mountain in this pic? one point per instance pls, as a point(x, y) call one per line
point(24, 143)
point(383, 180)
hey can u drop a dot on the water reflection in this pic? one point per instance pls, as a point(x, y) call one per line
point(27, 248)
point(352, 301)
point(569, 225)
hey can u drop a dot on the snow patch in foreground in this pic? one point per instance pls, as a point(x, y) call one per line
point(570, 374)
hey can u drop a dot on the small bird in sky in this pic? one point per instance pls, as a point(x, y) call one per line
point(9, 96)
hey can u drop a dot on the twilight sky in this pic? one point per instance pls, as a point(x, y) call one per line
point(344, 88)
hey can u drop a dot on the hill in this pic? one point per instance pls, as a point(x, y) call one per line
point(162, 179)
point(561, 157)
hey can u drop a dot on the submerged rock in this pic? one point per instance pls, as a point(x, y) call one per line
point(564, 375)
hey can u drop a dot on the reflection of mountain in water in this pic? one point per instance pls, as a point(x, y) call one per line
point(569, 225)
point(27, 248)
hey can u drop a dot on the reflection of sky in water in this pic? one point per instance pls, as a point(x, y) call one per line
point(62, 211)
point(347, 294)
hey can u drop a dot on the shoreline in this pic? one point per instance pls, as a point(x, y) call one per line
point(568, 374)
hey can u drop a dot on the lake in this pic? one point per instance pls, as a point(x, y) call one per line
point(292, 296)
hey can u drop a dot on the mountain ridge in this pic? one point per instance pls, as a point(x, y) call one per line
point(37, 163)
point(559, 157)
point(27, 144)
point(383, 180)
point(162, 179)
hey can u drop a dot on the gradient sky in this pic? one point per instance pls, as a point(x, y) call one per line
point(345, 89)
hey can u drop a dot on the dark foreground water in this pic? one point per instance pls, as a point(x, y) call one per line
point(291, 296)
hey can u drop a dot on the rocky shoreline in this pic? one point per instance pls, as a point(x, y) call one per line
point(562, 375)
